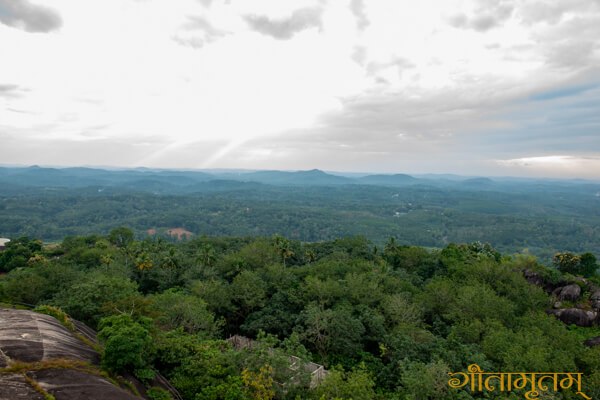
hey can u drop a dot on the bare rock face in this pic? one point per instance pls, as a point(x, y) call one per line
point(15, 387)
point(595, 341)
point(71, 384)
point(27, 336)
point(569, 293)
point(575, 316)
point(595, 300)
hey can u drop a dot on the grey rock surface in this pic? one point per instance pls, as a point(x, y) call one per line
point(570, 293)
point(69, 384)
point(575, 316)
point(14, 387)
point(27, 336)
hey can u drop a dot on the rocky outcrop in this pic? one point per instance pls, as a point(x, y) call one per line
point(28, 336)
point(72, 384)
point(570, 292)
point(575, 316)
point(16, 387)
point(59, 363)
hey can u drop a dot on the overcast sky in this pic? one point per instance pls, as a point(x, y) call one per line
point(495, 87)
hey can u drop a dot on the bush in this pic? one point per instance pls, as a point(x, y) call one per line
point(156, 393)
point(128, 345)
point(57, 313)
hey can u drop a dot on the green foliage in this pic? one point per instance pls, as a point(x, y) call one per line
point(156, 393)
point(18, 252)
point(332, 331)
point(532, 346)
point(176, 309)
point(121, 237)
point(569, 263)
point(259, 384)
point(425, 380)
point(200, 369)
point(357, 384)
point(395, 320)
point(57, 313)
point(24, 286)
point(127, 345)
point(87, 300)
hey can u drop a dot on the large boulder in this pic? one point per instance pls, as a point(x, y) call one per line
point(575, 316)
point(570, 292)
point(595, 300)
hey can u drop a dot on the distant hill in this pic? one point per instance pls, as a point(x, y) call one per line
point(388, 180)
point(156, 181)
point(478, 182)
point(311, 177)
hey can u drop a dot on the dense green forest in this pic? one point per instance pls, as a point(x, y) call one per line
point(386, 322)
point(535, 216)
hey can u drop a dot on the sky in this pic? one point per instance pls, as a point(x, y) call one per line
point(488, 87)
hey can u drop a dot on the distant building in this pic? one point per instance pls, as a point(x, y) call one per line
point(3, 242)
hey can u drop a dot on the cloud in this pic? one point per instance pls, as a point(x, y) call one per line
point(552, 12)
point(488, 15)
point(206, 3)
point(197, 32)
point(29, 17)
point(553, 165)
point(564, 92)
point(286, 28)
point(10, 90)
point(399, 64)
point(572, 44)
point(358, 9)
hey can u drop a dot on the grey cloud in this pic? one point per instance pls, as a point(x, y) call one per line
point(488, 15)
point(202, 24)
point(483, 23)
point(571, 55)
point(286, 28)
point(458, 20)
point(10, 90)
point(197, 32)
point(401, 64)
point(29, 17)
point(573, 44)
point(465, 124)
point(359, 55)
point(190, 41)
point(551, 12)
point(8, 87)
point(358, 9)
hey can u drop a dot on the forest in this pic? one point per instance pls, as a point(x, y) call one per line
point(539, 217)
point(385, 321)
